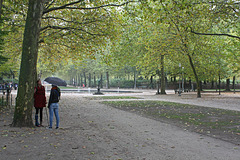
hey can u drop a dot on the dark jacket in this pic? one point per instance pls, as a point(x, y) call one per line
point(54, 96)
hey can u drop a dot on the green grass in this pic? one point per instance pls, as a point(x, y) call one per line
point(113, 97)
point(196, 118)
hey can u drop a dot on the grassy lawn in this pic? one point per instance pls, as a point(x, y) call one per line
point(219, 123)
point(112, 97)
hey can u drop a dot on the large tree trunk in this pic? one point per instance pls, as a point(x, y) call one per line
point(28, 74)
point(196, 77)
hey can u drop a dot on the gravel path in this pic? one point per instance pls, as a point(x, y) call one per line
point(92, 131)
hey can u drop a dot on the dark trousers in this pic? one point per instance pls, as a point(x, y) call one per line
point(41, 113)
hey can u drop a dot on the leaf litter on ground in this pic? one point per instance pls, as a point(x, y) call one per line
point(214, 122)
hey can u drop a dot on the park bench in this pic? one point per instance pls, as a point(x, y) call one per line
point(185, 90)
point(142, 87)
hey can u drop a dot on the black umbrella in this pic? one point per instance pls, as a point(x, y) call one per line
point(56, 81)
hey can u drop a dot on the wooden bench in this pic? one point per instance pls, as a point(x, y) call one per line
point(143, 87)
point(185, 90)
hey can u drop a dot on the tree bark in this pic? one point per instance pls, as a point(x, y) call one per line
point(85, 79)
point(28, 70)
point(107, 76)
point(1, 2)
point(233, 86)
point(196, 76)
point(101, 82)
point(135, 79)
point(89, 80)
point(94, 79)
point(212, 84)
point(163, 91)
point(228, 84)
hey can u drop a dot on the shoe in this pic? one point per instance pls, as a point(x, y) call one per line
point(49, 128)
point(56, 127)
point(38, 125)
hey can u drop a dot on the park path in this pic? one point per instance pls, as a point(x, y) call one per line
point(90, 130)
point(123, 135)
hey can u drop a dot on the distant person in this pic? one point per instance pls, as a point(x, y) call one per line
point(39, 102)
point(15, 86)
point(53, 105)
point(83, 85)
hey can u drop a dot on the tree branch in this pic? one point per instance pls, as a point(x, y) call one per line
point(66, 6)
point(74, 22)
point(215, 34)
point(70, 28)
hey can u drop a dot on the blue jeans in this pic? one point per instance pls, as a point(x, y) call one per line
point(54, 109)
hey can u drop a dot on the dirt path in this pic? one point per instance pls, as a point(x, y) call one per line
point(93, 131)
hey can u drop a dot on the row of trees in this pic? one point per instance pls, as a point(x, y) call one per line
point(151, 37)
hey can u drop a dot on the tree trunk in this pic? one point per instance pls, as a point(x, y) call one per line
point(158, 82)
point(228, 84)
point(85, 79)
point(101, 83)
point(219, 80)
point(190, 84)
point(212, 84)
point(94, 79)
point(196, 76)
point(79, 77)
point(135, 79)
point(81, 80)
point(201, 85)
point(233, 86)
point(107, 84)
point(28, 71)
point(162, 76)
point(89, 80)
point(1, 2)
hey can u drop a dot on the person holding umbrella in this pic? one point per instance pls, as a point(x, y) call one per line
point(53, 105)
point(39, 102)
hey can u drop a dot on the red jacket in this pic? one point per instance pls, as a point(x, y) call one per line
point(39, 97)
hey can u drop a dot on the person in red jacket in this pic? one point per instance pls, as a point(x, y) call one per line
point(39, 101)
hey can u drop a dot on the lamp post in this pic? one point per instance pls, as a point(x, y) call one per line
point(179, 91)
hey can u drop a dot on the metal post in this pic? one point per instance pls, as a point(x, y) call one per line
point(179, 91)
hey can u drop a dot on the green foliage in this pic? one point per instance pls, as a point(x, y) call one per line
point(129, 38)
